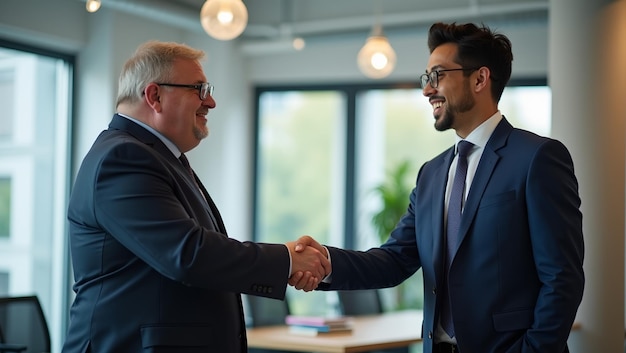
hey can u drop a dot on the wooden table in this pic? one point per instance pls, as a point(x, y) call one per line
point(389, 330)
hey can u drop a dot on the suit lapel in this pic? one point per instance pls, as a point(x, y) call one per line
point(199, 190)
point(140, 133)
point(212, 208)
point(203, 195)
point(438, 207)
point(486, 166)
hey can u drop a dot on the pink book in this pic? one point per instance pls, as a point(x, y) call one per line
point(316, 320)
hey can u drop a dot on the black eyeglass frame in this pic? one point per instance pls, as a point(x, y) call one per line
point(433, 76)
point(205, 89)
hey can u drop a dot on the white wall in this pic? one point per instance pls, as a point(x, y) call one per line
point(335, 60)
point(589, 116)
point(56, 24)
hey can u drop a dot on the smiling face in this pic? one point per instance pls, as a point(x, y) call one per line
point(453, 97)
point(183, 115)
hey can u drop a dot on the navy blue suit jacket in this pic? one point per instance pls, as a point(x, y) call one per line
point(517, 278)
point(154, 269)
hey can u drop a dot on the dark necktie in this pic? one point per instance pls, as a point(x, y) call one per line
point(455, 207)
point(185, 162)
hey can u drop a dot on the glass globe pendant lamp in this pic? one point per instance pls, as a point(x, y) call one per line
point(376, 59)
point(224, 19)
point(93, 5)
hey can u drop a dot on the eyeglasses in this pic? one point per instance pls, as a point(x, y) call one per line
point(204, 89)
point(433, 76)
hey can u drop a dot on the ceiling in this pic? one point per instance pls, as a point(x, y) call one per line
point(273, 19)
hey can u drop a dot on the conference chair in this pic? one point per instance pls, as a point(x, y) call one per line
point(360, 302)
point(364, 302)
point(266, 312)
point(23, 326)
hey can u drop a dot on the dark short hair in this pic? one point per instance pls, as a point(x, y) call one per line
point(477, 47)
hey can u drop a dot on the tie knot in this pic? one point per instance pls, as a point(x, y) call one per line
point(183, 159)
point(464, 147)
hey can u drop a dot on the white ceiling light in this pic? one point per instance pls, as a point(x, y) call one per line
point(376, 59)
point(224, 19)
point(93, 5)
point(298, 43)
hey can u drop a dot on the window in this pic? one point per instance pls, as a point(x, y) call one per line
point(300, 164)
point(5, 207)
point(34, 144)
point(322, 151)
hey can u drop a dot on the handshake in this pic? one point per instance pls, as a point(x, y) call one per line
point(309, 263)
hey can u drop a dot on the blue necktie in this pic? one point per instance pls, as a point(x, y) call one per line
point(455, 207)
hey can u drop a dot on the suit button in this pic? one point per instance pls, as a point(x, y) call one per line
point(430, 334)
point(434, 290)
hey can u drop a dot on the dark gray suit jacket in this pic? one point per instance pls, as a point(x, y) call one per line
point(154, 269)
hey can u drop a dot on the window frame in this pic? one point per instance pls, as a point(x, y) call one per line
point(351, 92)
point(60, 302)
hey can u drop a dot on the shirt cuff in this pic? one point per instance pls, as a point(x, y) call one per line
point(289, 252)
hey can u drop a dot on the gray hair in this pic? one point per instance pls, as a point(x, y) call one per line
point(152, 62)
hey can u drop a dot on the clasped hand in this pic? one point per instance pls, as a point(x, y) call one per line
point(309, 264)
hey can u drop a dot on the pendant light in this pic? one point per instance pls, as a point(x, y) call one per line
point(376, 59)
point(93, 5)
point(224, 19)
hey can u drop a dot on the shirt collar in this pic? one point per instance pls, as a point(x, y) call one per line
point(169, 144)
point(480, 135)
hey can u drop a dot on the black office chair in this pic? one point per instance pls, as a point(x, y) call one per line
point(23, 326)
point(365, 302)
point(360, 302)
point(266, 312)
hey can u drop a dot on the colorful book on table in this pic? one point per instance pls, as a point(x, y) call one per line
point(315, 325)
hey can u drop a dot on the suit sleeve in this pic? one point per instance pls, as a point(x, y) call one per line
point(557, 242)
point(143, 203)
point(382, 267)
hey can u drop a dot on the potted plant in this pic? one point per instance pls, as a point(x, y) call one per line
point(394, 196)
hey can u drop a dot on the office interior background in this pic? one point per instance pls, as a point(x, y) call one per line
point(301, 138)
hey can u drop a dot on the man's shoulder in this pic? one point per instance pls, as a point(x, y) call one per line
point(521, 137)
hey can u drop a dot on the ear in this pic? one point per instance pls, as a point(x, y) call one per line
point(482, 79)
point(152, 96)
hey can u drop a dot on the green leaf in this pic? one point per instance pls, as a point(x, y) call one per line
point(394, 195)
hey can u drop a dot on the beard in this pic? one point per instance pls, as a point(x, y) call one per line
point(445, 120)
point(200, 132)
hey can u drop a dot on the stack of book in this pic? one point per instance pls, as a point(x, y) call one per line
point(318, 325)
